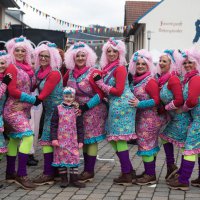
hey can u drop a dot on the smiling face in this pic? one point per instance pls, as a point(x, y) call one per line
point(68, 99)
point(80, 59)
point(141, 66)
point(189, 65)
point(3, 65)
point(112, 54)
point(19, 54)
point(164, 64)
point(44, 58)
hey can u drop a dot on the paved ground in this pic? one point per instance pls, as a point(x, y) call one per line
point(102, 187)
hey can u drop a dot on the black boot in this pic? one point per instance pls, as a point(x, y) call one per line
point(64, 180)
point(74, 178)
point(31, 160)
point(74, 181)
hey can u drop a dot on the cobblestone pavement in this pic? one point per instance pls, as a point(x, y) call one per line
point(102, 187)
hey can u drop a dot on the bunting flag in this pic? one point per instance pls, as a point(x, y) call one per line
point(89, 42)
point(74, 28)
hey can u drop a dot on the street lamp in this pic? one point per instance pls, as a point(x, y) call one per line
point(148, 38)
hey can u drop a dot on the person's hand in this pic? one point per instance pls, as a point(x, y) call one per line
point(96, 77)
point(80, 145)
point(75, 104)
point(55, 143)
point(134, 102)
point(37, 101)
point(78, 112)
point(17, 106)
point(7, 78)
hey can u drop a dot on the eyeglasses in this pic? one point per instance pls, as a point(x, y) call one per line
point(189, 63)
point(44, 56)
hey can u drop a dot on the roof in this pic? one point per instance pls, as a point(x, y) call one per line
point(134, 10)
point(14, 17)
point(9, 3)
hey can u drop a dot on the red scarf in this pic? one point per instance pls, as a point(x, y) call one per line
point(163, 79)
point(1, 76)
point(27, 68)
point(189, 75)
point(110, 66)
point(78, 72)
point(138, 78)
point(43, 72)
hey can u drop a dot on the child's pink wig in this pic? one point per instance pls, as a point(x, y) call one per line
point(5, 56)
point(74, 49)
point(193, 55)
point(146, 56)
point(117, 45)
point(55, 58)
point(175, 59)
point(21, 41)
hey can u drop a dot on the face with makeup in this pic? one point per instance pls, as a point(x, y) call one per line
point(68, 98)
point(141, 67)
point(189, 65)
point(80, 59)
point(164, 64)
point(112, 54)
point(19, 54)
point(3, 65)
point(44, 58)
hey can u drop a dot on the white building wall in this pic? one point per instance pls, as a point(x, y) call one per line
point(2, 17)
point(172, 24)
point(10, 20)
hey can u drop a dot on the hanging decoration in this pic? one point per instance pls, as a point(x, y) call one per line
point(74, 28)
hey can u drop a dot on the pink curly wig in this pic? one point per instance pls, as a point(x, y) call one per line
point(55, 58)
point(146, 56)
point(193, 55)
point(175, 58)
point(5, 56)
point(117, 45)
point(71, 53)
point(21, 41)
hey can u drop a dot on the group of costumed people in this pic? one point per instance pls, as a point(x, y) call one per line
point(86, 105)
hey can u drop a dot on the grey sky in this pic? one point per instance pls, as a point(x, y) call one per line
point(108, 13)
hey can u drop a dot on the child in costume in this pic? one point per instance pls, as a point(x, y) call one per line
point(64, 139)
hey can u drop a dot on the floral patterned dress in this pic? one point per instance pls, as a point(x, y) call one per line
point(18, 121)
point(148, 122)
point(54, 99)
point(192, 143)
point(93, 119)
point(67, 154)
point(3, 148)
point(121, 117)
point(176, 130)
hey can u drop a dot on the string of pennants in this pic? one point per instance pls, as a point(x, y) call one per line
point(74, 28)
point(89, 42)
